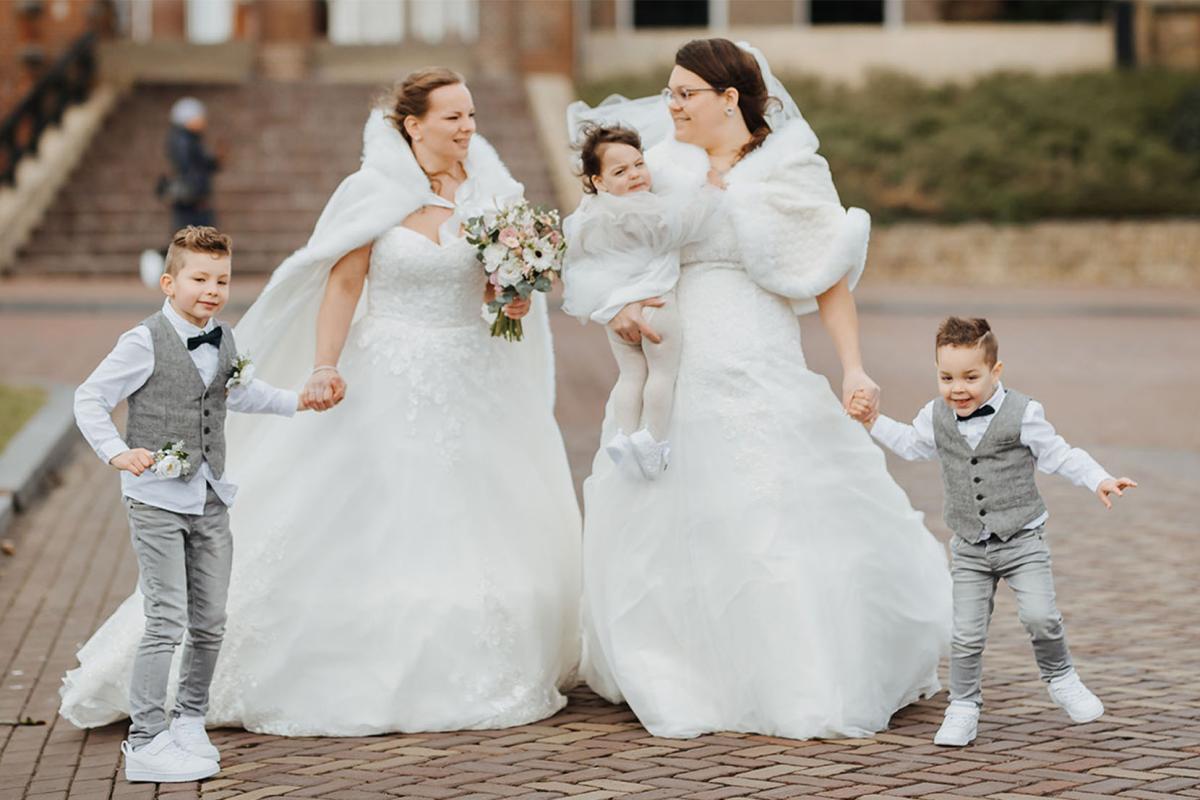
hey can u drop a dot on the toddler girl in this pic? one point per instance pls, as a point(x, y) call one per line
point(623, 247)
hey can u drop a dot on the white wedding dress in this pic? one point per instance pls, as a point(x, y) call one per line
point(408, 561)
point(775, 579)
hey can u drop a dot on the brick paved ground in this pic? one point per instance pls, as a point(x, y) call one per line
point(1118, 374)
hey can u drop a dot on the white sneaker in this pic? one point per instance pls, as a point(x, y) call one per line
point(960, 725)
point(188, 732)
point(1069, 693)
point(652, 456)
point(164, 761)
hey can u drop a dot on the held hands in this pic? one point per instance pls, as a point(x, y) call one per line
point(1113, 486)
point(323, 390)
point(136, 461)
point(630, 326)
point(862, 409)
point(860, 397)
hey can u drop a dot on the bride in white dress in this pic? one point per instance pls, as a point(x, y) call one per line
point(410, 560)
point(775, 579)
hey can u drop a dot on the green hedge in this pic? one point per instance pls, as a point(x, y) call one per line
point(1009, 147)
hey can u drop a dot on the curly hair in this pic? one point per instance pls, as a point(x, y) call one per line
point(591, 150)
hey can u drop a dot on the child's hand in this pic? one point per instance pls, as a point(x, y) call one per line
point(304, 403)
point(1113, 486)
point(862, 408)
point(136, 461)
point(715, 179)
point(324, 390)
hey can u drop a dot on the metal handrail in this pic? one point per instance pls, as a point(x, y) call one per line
point(67, 82)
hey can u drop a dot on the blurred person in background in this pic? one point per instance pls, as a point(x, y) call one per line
point(188, 187)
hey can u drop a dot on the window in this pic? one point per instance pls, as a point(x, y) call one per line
point(670, 13)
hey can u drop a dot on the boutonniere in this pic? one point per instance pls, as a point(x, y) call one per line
point(171, 461)
point(243, 372)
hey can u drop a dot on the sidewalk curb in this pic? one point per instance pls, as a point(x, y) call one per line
point(39, 448)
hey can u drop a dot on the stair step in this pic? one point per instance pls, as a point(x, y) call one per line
point(289, 146)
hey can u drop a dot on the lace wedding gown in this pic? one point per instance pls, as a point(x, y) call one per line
point(408, 561)
point(775, 579)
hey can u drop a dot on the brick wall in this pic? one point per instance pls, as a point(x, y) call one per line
point(34, 34)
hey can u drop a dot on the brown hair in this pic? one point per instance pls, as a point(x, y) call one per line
point(724, 65)
point(410, 97)
point(591, 150)
point(972, 332)
point(196, 239)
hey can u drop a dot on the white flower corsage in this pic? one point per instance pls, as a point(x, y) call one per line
point(243, 372)
point(171, 461)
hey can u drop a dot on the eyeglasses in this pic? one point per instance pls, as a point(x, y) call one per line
point(681, 96)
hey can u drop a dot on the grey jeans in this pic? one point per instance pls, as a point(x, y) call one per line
point(1024, 563)
point(184, 562)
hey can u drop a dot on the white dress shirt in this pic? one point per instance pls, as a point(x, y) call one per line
point(125, 370)
point(1054, 456)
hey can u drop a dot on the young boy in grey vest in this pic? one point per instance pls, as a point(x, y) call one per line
point(990, 441)
point(180, 371)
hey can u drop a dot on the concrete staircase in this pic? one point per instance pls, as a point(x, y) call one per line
point(288, 146)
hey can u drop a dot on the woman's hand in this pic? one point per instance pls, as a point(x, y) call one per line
point(324, 389)
point(518, 308)
point(629, 324)
point(866, 404)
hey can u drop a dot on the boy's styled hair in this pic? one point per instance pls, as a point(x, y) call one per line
point(595, 137)
point(972, 332)
point(196, 239)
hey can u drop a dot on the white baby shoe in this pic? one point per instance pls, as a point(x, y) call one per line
point(620, 450)
point(1069, 693)
point(960, 725)
point(188, 733)
point(164, 761)
point(652, 457)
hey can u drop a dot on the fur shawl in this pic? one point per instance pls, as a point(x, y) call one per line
point(796, 238)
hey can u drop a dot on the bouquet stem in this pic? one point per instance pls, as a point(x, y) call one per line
point(510, 329)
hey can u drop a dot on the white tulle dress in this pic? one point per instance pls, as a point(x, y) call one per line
point(408, 561)
point(775, 579)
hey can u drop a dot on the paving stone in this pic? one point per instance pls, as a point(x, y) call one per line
point(1101, 362)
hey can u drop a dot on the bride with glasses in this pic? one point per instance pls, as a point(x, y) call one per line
point(776, 580)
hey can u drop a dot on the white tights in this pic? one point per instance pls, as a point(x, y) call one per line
point(645, 388)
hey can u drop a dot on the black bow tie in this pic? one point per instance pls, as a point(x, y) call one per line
point(213, 337)
point(982, 411)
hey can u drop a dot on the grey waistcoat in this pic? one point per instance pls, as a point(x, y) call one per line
point(175, 405)
point(993, 485)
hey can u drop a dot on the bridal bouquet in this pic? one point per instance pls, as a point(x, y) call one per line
point(521, 248)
